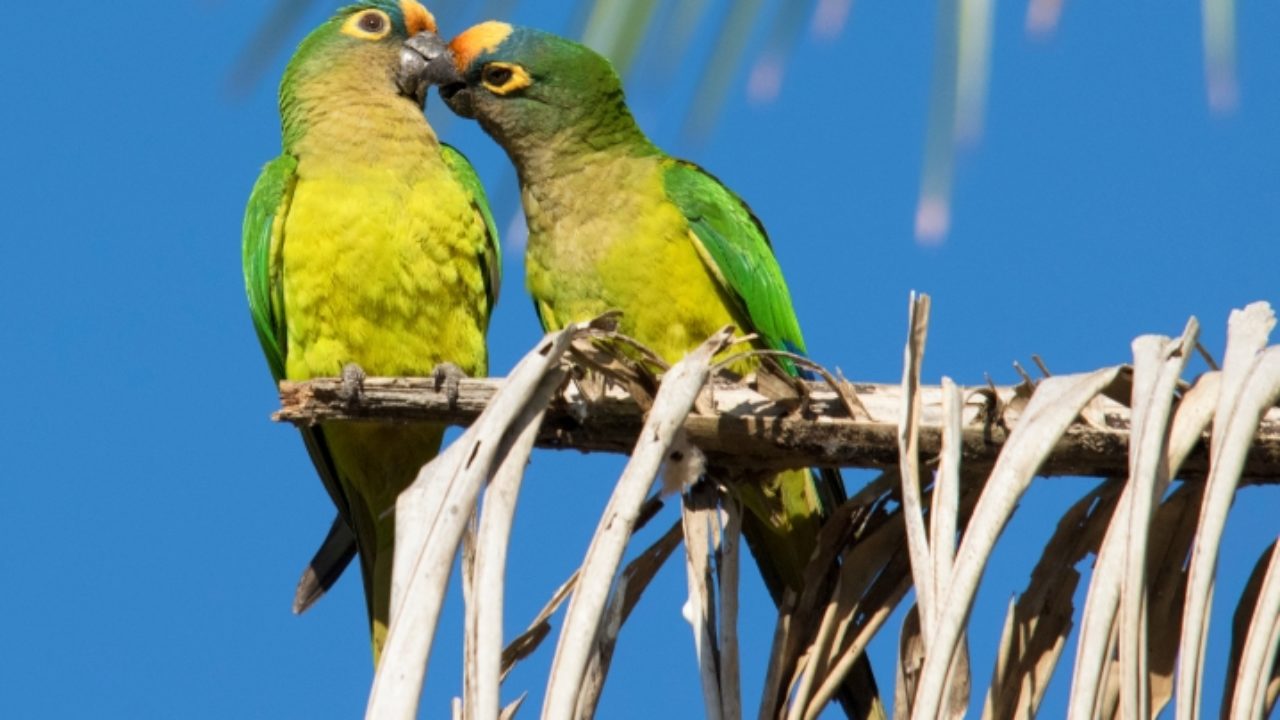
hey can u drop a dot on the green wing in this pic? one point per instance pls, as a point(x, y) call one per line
point(489, 253)
point(261, 257)
point(262, 274)
point(735, 247)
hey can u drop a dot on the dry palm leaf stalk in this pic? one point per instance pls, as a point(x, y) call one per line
point(1155, 526)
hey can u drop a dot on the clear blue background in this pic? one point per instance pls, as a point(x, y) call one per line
point(154, 521)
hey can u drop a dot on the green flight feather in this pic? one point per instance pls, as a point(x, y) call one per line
point(491, 256)
point(268, 201)
point(734, 244)
point(783, 521)
point(261, 251)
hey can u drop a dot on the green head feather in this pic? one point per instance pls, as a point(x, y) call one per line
point(540, 94)
point(356, 50)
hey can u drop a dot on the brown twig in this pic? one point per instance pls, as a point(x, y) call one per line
point(748, 430)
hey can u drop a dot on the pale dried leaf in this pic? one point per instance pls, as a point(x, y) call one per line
point(1273, 690)
point(1172, 531)
point(910, 662)
point(797, 614)
point(1098, 621)
point(529, 640)
point(1257, 660)
point(946, 491)
point(728, 567)
point(1195, 411)
point(911, 654)
point(509, 712)
point(1158, 364)
point(1240, 622)
point(959, 681)
point(872, 611)
point(640, 570)
point(1108, 704)
point(467, 563)
point(470, 672)
point(1041, 619)
point(485, 609)
point(675, 399)
point(774, 382)
point(593, 677)
point(428, 549)
point(874, 576)
point(433, 484)
point(909, 466)
point(1250, 384)
point(1003, 655)
point(1056, 403)
point(633, 582)
point(699, 518)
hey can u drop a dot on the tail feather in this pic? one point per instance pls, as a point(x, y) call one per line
point(326, 566)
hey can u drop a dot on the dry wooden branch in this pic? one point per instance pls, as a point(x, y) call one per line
point(750, 430)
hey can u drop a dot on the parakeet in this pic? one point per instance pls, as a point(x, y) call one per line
point(616, 223)
point(367, 244)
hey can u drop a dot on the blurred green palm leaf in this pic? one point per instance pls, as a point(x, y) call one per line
point(621, 30)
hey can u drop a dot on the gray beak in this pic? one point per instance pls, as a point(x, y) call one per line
point(425, 60)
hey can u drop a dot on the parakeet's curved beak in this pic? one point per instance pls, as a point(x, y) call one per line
point(417, 71)
point(425, 60)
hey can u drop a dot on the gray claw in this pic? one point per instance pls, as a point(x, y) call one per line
point(448, 376)
point(352, 383)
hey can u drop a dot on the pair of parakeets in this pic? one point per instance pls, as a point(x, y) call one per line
point(369, 243)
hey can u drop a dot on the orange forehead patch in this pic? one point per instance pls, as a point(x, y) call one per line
point(416, 17)
point(478, 40)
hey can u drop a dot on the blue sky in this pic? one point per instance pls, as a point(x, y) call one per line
point(155, 521)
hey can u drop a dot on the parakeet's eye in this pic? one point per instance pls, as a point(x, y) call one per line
point(367, 25)
point(497, 76)
point(502, 78)
point(371, 22)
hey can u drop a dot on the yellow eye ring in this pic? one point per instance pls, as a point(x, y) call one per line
point(367, 25)
point(502, 78)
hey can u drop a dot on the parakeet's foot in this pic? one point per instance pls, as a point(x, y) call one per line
point(448, 376)
point(352, 383)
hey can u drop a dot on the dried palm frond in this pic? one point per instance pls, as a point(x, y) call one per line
point(955, 465)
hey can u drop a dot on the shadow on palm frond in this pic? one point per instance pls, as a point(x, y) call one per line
point(1171, 454)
